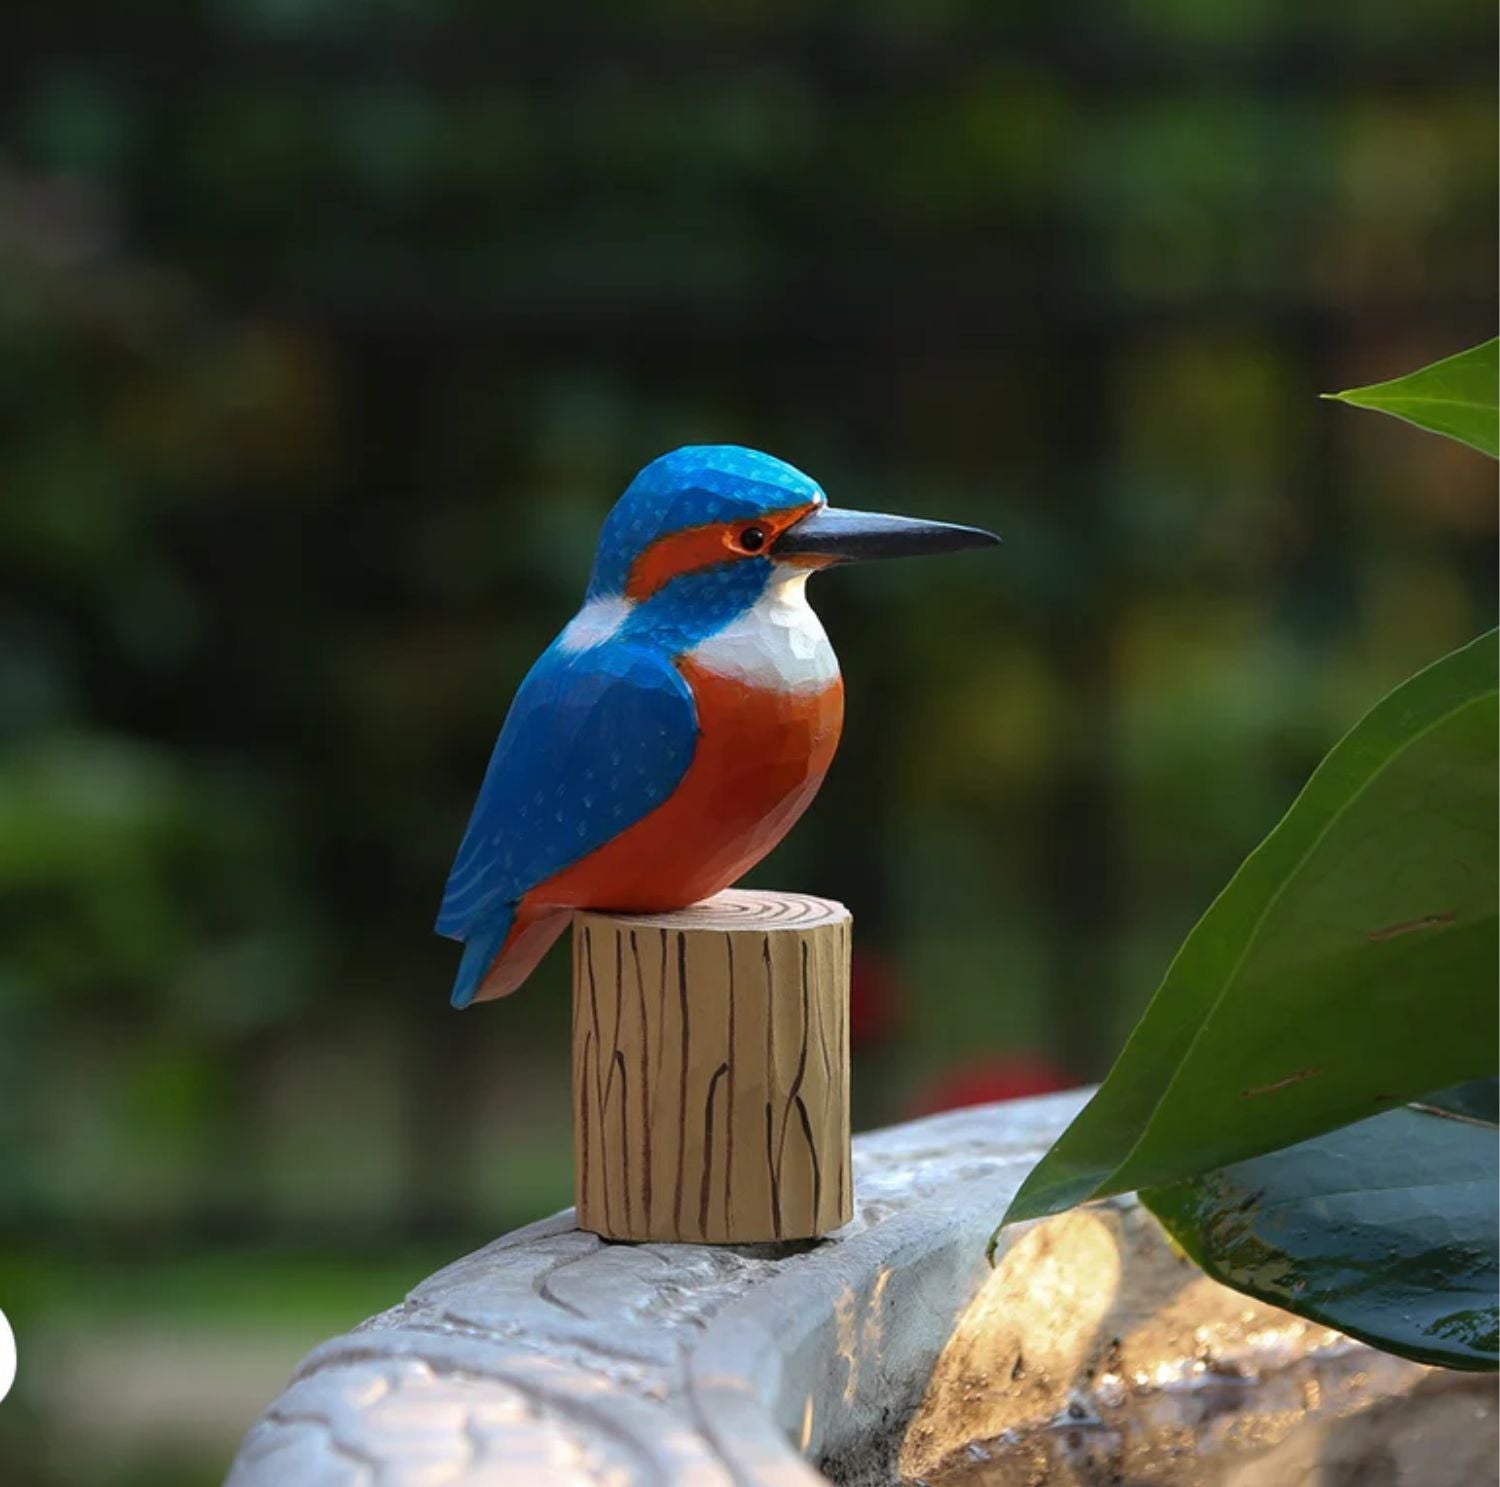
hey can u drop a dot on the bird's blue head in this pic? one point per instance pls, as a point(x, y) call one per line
point(701, 532)
point(702, 506)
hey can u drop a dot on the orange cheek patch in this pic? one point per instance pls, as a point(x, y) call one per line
point(696, 547)
point(700, 547)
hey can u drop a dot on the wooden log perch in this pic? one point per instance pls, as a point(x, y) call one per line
point(711, 1070)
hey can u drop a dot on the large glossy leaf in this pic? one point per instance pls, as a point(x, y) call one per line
point(1385, 1230)
point(1456, 396)
point(1349, 966)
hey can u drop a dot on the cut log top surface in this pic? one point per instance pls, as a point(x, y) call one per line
point(739, 909)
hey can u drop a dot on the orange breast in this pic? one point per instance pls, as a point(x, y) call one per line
point(761, 757)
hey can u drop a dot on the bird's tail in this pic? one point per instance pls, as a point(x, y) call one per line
point(501, 955)
point(480, 951)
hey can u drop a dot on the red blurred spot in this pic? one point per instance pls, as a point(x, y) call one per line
point(981, 1081)
point(874, 1000)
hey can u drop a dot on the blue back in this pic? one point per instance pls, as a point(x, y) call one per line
point(595, 740)
point(690, 487)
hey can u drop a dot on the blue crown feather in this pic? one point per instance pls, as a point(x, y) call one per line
point(691, 487)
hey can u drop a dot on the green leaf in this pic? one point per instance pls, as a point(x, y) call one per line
point(1348, 967)
point(1385, 1230)
point(1456, 396)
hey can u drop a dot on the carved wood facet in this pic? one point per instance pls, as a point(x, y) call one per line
point(711, 1070)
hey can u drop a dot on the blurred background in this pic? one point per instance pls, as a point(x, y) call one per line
point(329, 329)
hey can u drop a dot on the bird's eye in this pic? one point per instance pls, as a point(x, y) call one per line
point(752, 539)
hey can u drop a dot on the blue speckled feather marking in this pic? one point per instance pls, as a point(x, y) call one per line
point(595, 741)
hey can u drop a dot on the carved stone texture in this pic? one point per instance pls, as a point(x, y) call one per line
point(552, 1358)
point(711, 1070)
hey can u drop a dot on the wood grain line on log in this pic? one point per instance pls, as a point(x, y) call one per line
point(648, 1101)
point(682, 999)
point(812, 1155)
point(729, 1123)
point(828, 1115)
point(588, 956)
point(771, 1164)
point(661, 1028)
point(583, 1118)
point(823, 1046)
point(798, 1077)
point(846, 971)
point(614, 1046)
point(770, 1009)
point(580, 1104)
point(619, 1063)
point(708, 1149)
point(775, 1177)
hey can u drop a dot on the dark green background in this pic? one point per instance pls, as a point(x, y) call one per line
point(328, 331)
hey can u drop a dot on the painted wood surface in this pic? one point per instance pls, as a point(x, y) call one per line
point(681, 723)
point(711, 1070)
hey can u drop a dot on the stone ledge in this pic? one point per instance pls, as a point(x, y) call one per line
point(1092, 1352)
point(550, 1357)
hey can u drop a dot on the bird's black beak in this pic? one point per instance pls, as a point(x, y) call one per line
point(847, 536)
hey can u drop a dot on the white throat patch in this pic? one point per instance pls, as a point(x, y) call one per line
point(779, 643)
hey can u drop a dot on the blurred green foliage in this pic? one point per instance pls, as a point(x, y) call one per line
point(330, 328)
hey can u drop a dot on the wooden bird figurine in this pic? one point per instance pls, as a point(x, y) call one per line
point(682, 721)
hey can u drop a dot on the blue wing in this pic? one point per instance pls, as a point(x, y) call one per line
point(595, 740)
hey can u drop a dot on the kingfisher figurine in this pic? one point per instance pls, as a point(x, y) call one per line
point(682, 721)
